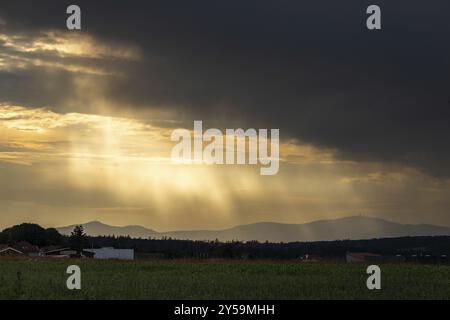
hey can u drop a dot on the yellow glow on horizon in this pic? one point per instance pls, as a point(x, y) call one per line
point(128, 162)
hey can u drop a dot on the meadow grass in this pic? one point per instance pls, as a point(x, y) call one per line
point(180, 279)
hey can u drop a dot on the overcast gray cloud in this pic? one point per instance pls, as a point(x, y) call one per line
point(85, 117)
point(311, 69)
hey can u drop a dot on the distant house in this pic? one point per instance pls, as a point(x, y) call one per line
point(27, 249)
point(363, 257)
point(55, 252)
point(63, 252)
point(111, 253)
point(6, 250)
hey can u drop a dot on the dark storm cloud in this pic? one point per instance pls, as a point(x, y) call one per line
point(310, 68)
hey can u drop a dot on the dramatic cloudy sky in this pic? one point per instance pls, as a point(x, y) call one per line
point(86, 116)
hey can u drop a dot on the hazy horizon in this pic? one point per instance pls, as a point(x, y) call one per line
point(148, 227)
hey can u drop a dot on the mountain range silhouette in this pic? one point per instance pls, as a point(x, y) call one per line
point(349, 228)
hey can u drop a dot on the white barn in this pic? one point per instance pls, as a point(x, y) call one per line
point(111, 253)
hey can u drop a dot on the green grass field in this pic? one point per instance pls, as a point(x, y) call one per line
point(46, 279)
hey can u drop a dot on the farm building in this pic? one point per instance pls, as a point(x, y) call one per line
point(62, 252)
point(6, 250)
point(111, 253)
point(19, 249)
point(363, 257)
point(55, 252)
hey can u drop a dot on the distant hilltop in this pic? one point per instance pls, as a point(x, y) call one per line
point(349, 228)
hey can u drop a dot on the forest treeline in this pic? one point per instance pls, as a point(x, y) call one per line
point(172, 248)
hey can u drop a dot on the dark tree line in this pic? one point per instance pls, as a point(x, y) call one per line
point(32, 233)
point(170, 248)
point(38, 236)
